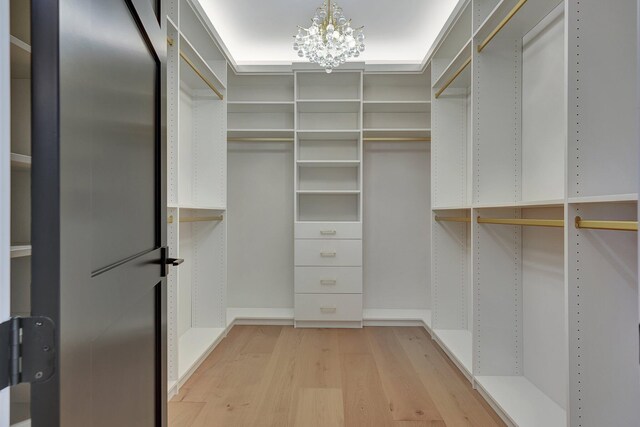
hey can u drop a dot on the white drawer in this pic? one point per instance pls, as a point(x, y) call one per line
point(345, 253)
point(329, 230)
point(328, 280)
point(330, 307)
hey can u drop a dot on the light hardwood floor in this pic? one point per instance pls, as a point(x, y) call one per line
point(280, 376)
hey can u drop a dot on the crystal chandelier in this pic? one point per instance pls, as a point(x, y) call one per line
point(330, 40)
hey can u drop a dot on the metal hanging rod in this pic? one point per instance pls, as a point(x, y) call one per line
point(170, 220)
point(523, 221)
point(501, 25)
point(425, 139)
point(197, 71)
point(455, 76)
point(232, 139)
point(452, 219)
point(606, 225)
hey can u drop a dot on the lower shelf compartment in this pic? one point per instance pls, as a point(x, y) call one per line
point(521, 401)
point(458, 343)
point(195, 345)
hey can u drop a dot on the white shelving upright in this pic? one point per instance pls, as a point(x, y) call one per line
point(197, 191)
point(548, 317)
point(328, 199)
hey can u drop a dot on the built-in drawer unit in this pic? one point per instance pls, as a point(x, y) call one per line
point(328, 280)
point(329, 230)
point(346, 253)
point(328, 307)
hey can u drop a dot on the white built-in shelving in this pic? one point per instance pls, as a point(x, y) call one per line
point(197, 191)
point(526, 311)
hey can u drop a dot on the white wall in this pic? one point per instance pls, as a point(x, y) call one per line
point(396, 225)
point(260, 225)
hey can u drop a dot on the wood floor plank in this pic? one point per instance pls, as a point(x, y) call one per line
point(275, 391)
point(319, 407)
point(318, 360)
point(407, 398)
point(364, 401)
point(353, 341)
point(216, 367)
point(458, 403)
point(263, 340)
point(183, 414)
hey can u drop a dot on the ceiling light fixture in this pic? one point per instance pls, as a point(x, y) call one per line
point(330, 40)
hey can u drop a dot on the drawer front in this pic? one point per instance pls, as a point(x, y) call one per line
point(328, 280)
point(330, 253)
point(329, 307)
point(329, 230)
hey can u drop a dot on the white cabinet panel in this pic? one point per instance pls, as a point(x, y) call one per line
point(328, 253)
point(324, 280)
point(328, 307)
point(328, 230)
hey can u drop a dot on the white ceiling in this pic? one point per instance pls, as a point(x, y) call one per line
point(259, 32)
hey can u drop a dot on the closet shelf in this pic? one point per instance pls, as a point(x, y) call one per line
point(328, 163)
point(451, 208)
point(20, 59)
point(458, 344)
point(328, 105)
point(458, 73)
point(195, 72)
point(260, 133)
point(260, 106)
point(522, 204)
point(397, 133)
point(397, 106)
point(331, 192)
point(329, 134)
point(194, 347)
point(19, 251)
point(613, 198)
point(519, 16)
point(20, 161)
point(190, 206)
point(522, 402)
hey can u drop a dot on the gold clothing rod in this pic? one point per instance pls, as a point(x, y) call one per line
point(197, 71)
point(607, 225)
point(501, 25)
point(523, 221)
point(455, 76)
point(452, 219)
point(170, 220)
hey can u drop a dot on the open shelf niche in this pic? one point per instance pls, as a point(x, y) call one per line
point(197, 191)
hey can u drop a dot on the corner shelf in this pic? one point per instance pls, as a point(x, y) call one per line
point(20, 162)
point(454, 66)
point(20, 251)
point(20, 59)
point(458, 343)
point(522, 402)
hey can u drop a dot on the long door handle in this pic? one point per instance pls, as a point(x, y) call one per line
point(175, 261)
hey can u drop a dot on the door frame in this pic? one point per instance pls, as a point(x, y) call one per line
point(5, 187)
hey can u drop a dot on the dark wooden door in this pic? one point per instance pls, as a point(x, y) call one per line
point(97, 215)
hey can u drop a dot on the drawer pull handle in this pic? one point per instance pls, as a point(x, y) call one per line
point(328, 232)
point(328, 282)
point(328, 254)
point(327, 310)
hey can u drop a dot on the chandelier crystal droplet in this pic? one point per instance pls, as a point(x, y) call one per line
point(330, 40)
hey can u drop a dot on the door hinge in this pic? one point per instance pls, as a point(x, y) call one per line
point(27, 350)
